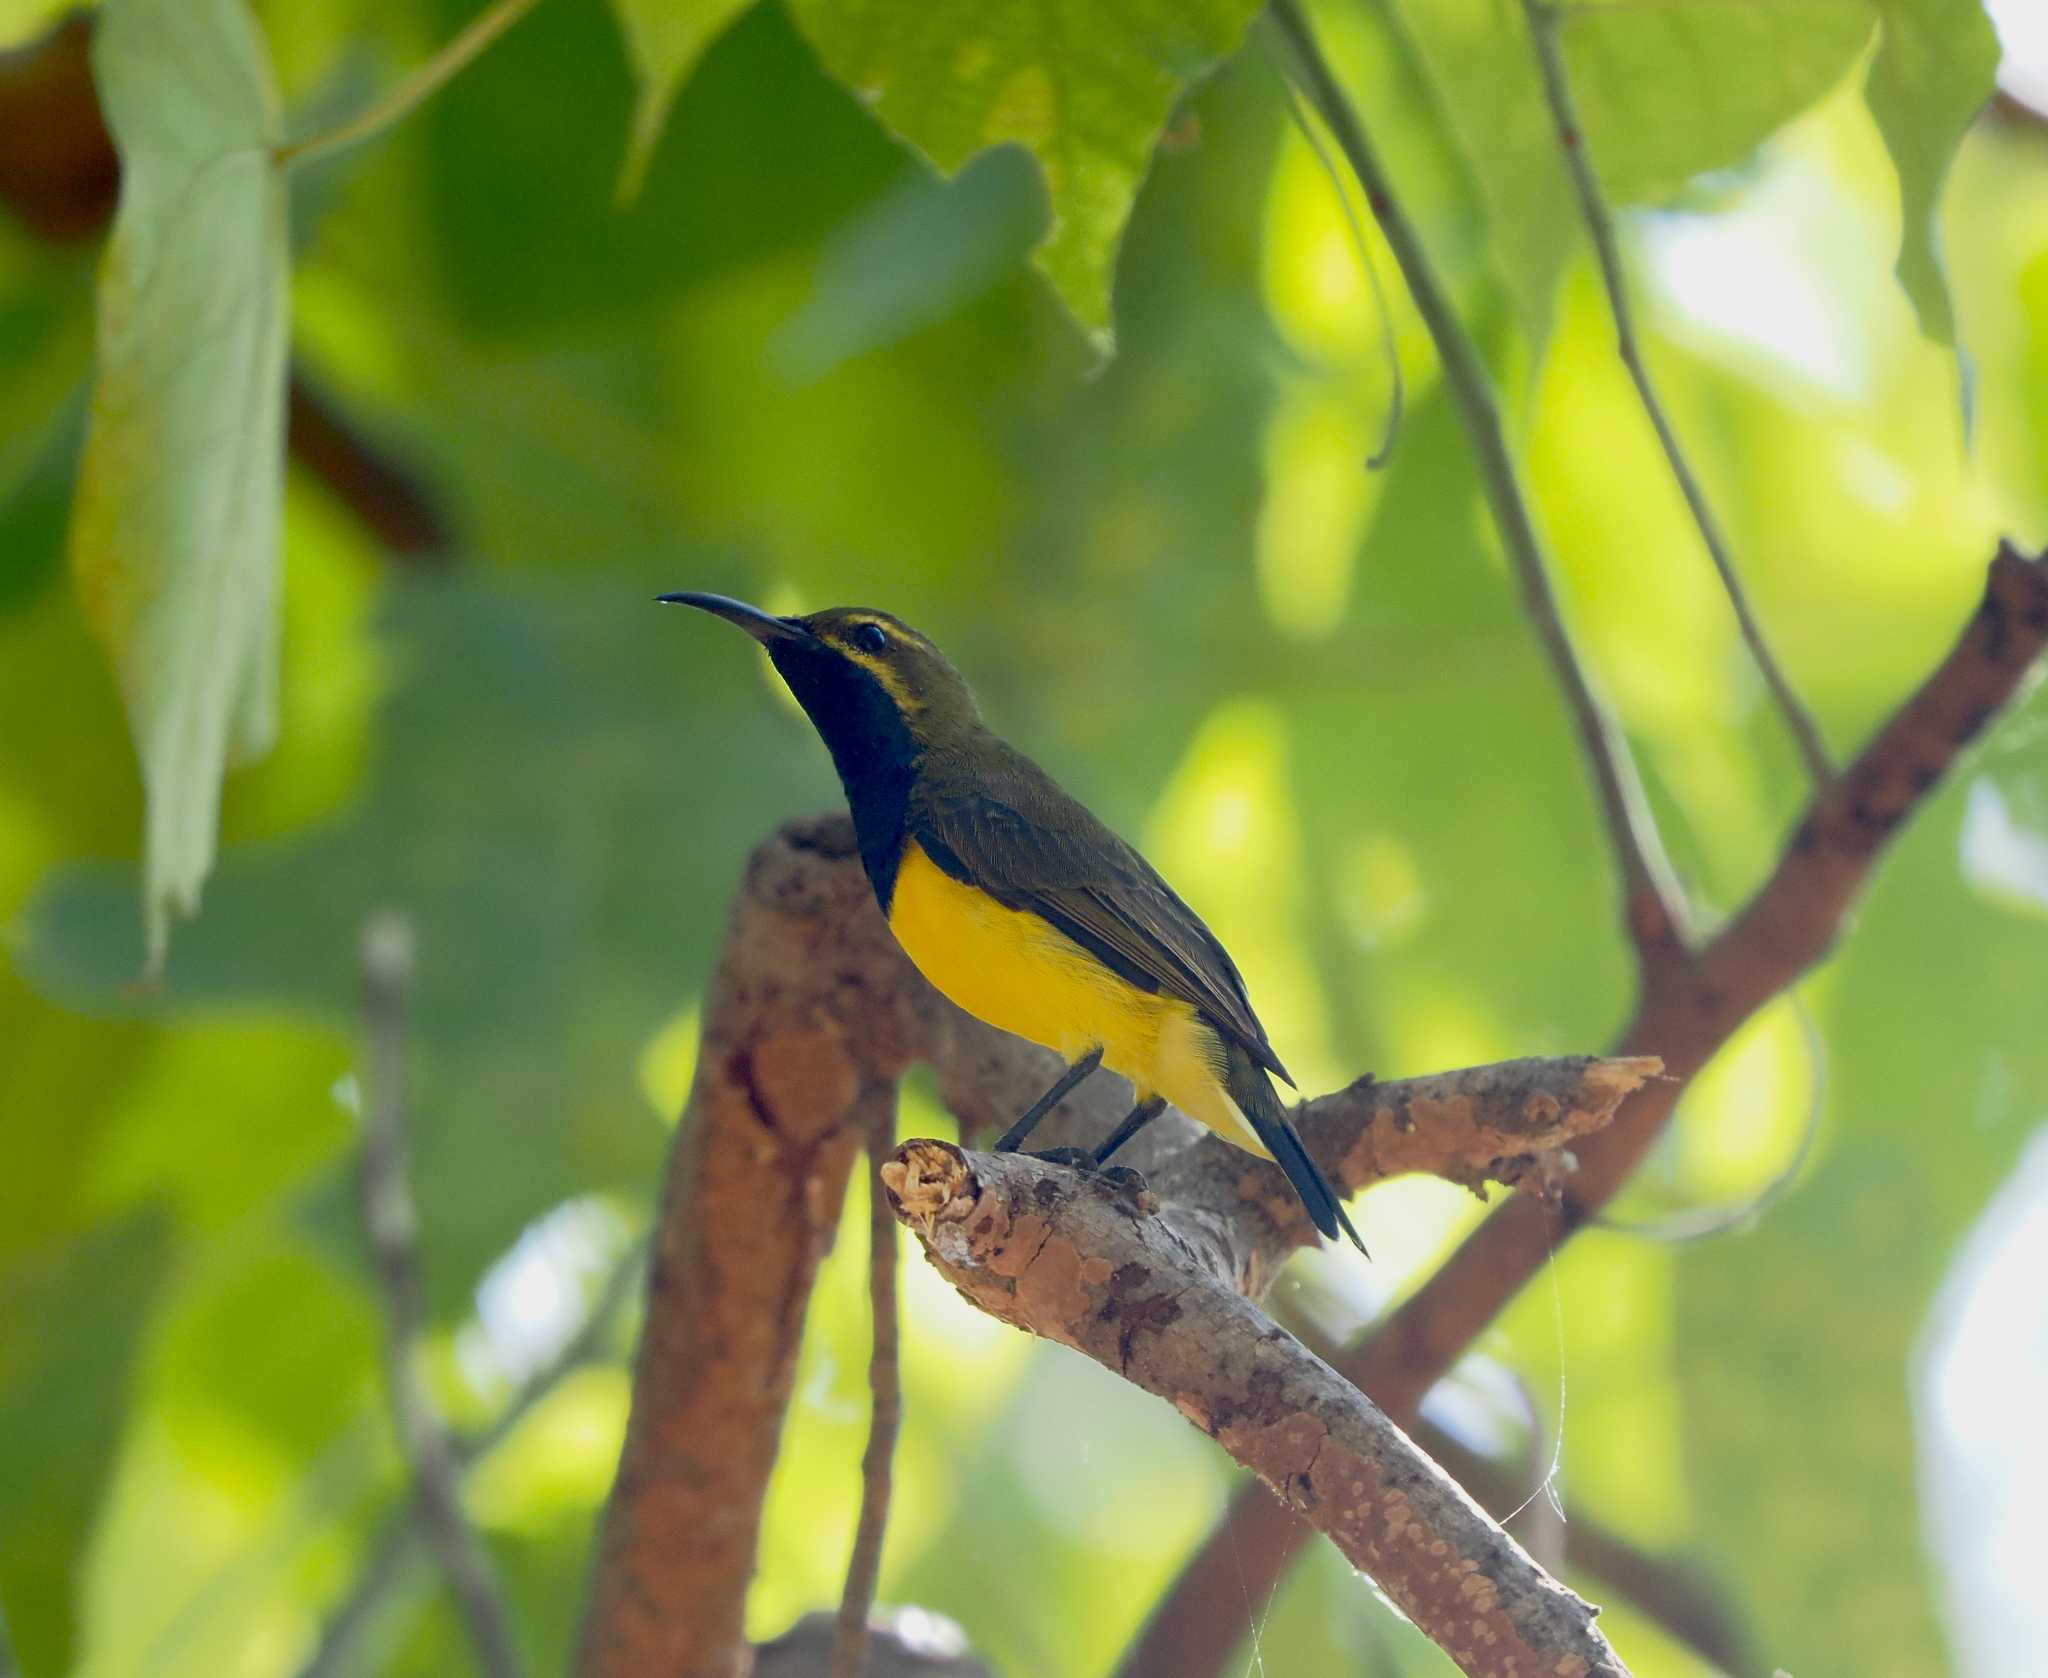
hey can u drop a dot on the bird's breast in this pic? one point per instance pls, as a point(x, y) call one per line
point(1018, 972)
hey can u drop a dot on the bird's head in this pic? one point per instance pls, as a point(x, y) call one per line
point(858, 673)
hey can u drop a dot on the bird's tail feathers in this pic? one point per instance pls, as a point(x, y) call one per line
point(1254, 1094)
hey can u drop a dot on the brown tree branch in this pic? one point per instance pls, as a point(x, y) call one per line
point(1668, 1591)
point(1687, 1012)
point(885, 1417)
point(1075, 1260)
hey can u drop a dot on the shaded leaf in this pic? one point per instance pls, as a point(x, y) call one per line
point(744, 175)
point(664, 39)
point(174, 536)
point(1084, 87)
point(912, 259)
point(1935, 65)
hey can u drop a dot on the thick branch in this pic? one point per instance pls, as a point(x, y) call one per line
point(807, 1008)
point(1544, 19)
point(1075, 1260)
point(1687, 1013)
point(1653, 909)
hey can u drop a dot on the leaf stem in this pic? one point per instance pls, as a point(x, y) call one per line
point(480, 32)
point(1652, 905)
point(1544, 22)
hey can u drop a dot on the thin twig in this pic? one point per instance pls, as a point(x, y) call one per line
point(1653, 908)
point(398, 1546)
point(1544, 22)
point(1397, 393)
point(480, 32)
point(850, 1633)
point(393, 1226)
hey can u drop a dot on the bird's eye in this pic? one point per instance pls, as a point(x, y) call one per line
point(870, 638)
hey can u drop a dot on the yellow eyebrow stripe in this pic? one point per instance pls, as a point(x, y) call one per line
point(892, 684)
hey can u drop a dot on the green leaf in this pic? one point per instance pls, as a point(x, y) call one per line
point(664, 39)
point(1935, 66)
point(1084, 85)
point(1663, 93)
point(174, 534)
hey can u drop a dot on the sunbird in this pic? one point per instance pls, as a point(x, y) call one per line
point(1018, 904)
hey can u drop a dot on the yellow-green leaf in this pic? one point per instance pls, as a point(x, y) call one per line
point(174, 532)
point(1084, 85)
point(664, 39)
point(1663, 94)
point(1935, 66)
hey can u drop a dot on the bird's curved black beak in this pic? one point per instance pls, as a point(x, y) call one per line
point(765, 627)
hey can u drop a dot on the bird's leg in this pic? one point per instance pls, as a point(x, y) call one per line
point(1134, 1121)
point(1013, 1138)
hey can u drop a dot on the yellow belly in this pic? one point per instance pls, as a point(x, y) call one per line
point(1021, 975)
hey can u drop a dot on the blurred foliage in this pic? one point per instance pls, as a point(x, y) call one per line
point(796, 365)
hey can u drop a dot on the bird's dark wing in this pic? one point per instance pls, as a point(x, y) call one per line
point(1007, 828)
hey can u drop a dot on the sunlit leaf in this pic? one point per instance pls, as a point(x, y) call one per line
point(664, 38)
point(1086, 87)
point(1934, 68)
point(174, 536)
point(1662, 93)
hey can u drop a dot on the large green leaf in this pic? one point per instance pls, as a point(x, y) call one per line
point(664, 38)
point(1663, 93)
point(174, 533)
point(1935, 65)
point(1084, 85)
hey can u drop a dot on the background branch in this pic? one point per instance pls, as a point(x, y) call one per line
point(1545, 21)
point(389, 1218)
point(885, 1388)
point(400, 1547)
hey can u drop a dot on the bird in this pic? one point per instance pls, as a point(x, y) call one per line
point(1018, 904)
